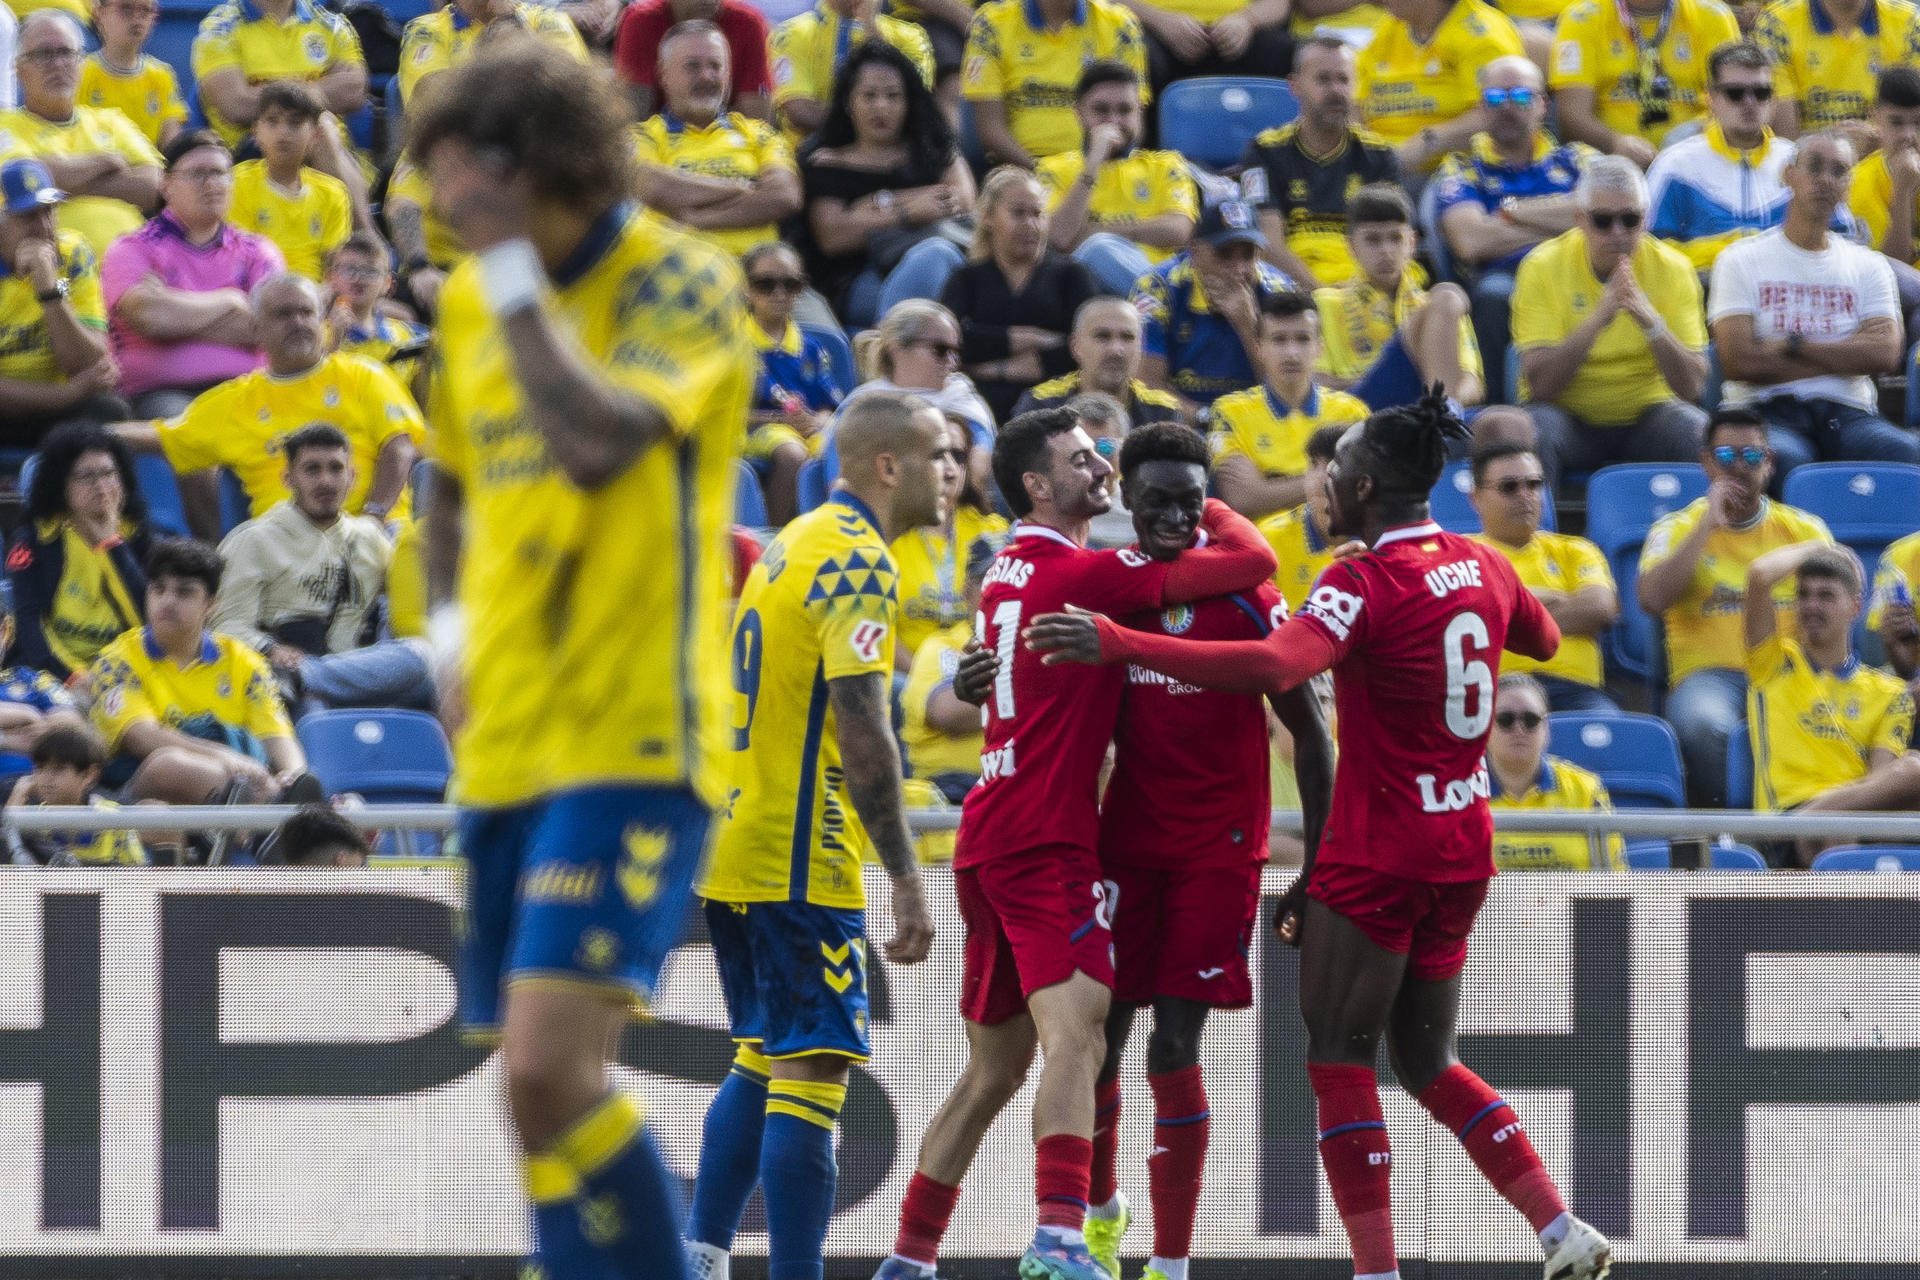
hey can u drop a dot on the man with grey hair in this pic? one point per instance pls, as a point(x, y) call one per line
point(1612, 341)
point(1507, 192)
point(96, 155)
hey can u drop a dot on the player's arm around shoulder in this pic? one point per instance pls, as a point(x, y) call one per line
point(863, 717)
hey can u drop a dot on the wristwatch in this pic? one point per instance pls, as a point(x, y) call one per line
point(1796, 343)
point(56, 294)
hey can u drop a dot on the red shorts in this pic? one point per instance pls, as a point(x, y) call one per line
point(1032, 919)
point(1428, 923)
point(1184, 932)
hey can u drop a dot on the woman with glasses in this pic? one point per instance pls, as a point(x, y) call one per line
point(75, 564)
point(797, 390)
point(122, 75)
point(1524, 776)
point(1016, 297)
point(885, 188)
point(917, 348)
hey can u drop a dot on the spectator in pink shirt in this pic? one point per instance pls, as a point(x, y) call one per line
point(636, 50)
point(178, 289)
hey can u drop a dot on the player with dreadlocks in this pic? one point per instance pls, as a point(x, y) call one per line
point(1412, 628)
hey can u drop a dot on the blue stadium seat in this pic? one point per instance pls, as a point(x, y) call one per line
point(1913, 384)
point(1649, 855)
point(29, 465)
point(1866, 505)
point(172, 40)
point(1737, 857)
point(235, 507)
point(1438, 251)
point(813, 483)
point(1513, 374)
point(405, 11)
point(360, 123)
point(1657, 855)
point(749, 503)
point(391, 757)
point(1740, 768)
point(969, 142)
point(1455, 513)
point(165, 512)
point(1637, 756)
point(1623, 502)
point(839, 354)
point(1211, 119)
point(1868, 857)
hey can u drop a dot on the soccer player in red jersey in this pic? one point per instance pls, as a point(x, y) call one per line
point(1039, 960)
point(1412, 629)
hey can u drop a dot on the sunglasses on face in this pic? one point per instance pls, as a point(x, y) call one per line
point(1608, 221)
point(940, 349)
point(1519, 484)
point(1528, 720)
point(1725, 455)
point(1520, 96)
point(1745, 92)
point(776, 284)
point(1107, 449)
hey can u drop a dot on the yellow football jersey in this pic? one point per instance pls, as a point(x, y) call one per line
point(1705, 627)
point(306, 225)
point(91, 848)
point(1555, 291)
point(310, 43)
point(92, 606)
point(1259, 426)
point(409, 183)
point(26, 348)
point(1301, 551)
point(443, 39)
point(821, 605)
point(1591, 49)
point(1893, 579)
point(1815, 729)
point(1012, 56)
point(99, 219)
point(597, 621)
point(1406, 86)
point(148, 95)
point(242, 423)
point(1561, 785)
point(933, 574)
point(733, 146)
point(407, 582)
point(226, 695)
point(80, 9)
point(382, 340)
point(1558, 562)
point(1834, 75)
point(1357, 321)
point(1871, 199)
point(807, 49)
point(930, 751)
point(1138, 186)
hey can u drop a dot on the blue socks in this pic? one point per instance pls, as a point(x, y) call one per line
point(797, 1174)
point(730, 1151)
point(625, 1207)
point(561, 1250)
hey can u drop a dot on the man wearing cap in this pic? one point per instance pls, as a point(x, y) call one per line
point(1200, 310)
point(54, 362)
point(98, 156)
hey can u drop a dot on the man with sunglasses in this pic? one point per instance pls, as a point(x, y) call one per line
point(1611, 337)
point(1723, 183)
point(1567, 575)
point(1803, 320)
point(1523, 776)
point(1693, 576)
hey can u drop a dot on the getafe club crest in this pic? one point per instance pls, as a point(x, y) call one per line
point(1176, 620)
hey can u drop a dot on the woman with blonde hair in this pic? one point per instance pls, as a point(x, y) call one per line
point(917, 349)
point(1016, 297)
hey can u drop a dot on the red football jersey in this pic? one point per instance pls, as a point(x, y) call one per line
point(1190, 786)
point(1417, 626)
point(1047, 728)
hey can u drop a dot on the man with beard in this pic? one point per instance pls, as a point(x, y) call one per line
point(1116, 209)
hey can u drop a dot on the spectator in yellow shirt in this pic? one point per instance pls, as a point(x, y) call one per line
point(1828, 54)
point(808, 49)
point(1387, 339)
point(1885, 195)
point(932, 561)
point(426, 246)
point(359, 279)
point(1626, 73)
point(1420, 76)
point(121, 74)
point(1024, 58)
point(1611, 333)
point(1829, 732)
point(1260, 435)
point(1568, 575)
point(703, 166)
point(98, 157)
point(1523, 776)
point(307, 214)
point(1693, 577)
point(1117, 209)
point(1299, 535)
point(1214, 38)
point(437, 42)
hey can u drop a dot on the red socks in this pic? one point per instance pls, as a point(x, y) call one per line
point(1106, 1142)
point(1358, 1160)
point(1060, 1177)
point(923, 1218)
point(1181, 1123)
point(1491, 1133)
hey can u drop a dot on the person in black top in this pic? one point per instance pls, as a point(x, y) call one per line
point(882, 178)
point(1016, 298)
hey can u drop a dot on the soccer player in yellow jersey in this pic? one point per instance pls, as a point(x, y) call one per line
point(1523, 776)
point(1693, 575)
point(1827, 55)
point(306, 213)
point(1260, 435)
point(440, 40)
point(816, 793)
point(1829, 732)
point(578, 554)
point(705, 167)
point(1301, 541)
point(122, 75)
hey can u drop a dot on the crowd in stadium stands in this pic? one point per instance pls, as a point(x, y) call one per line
point(1670, 232)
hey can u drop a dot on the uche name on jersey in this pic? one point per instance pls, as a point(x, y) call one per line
point(1456, 795)
point(1457, 576)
